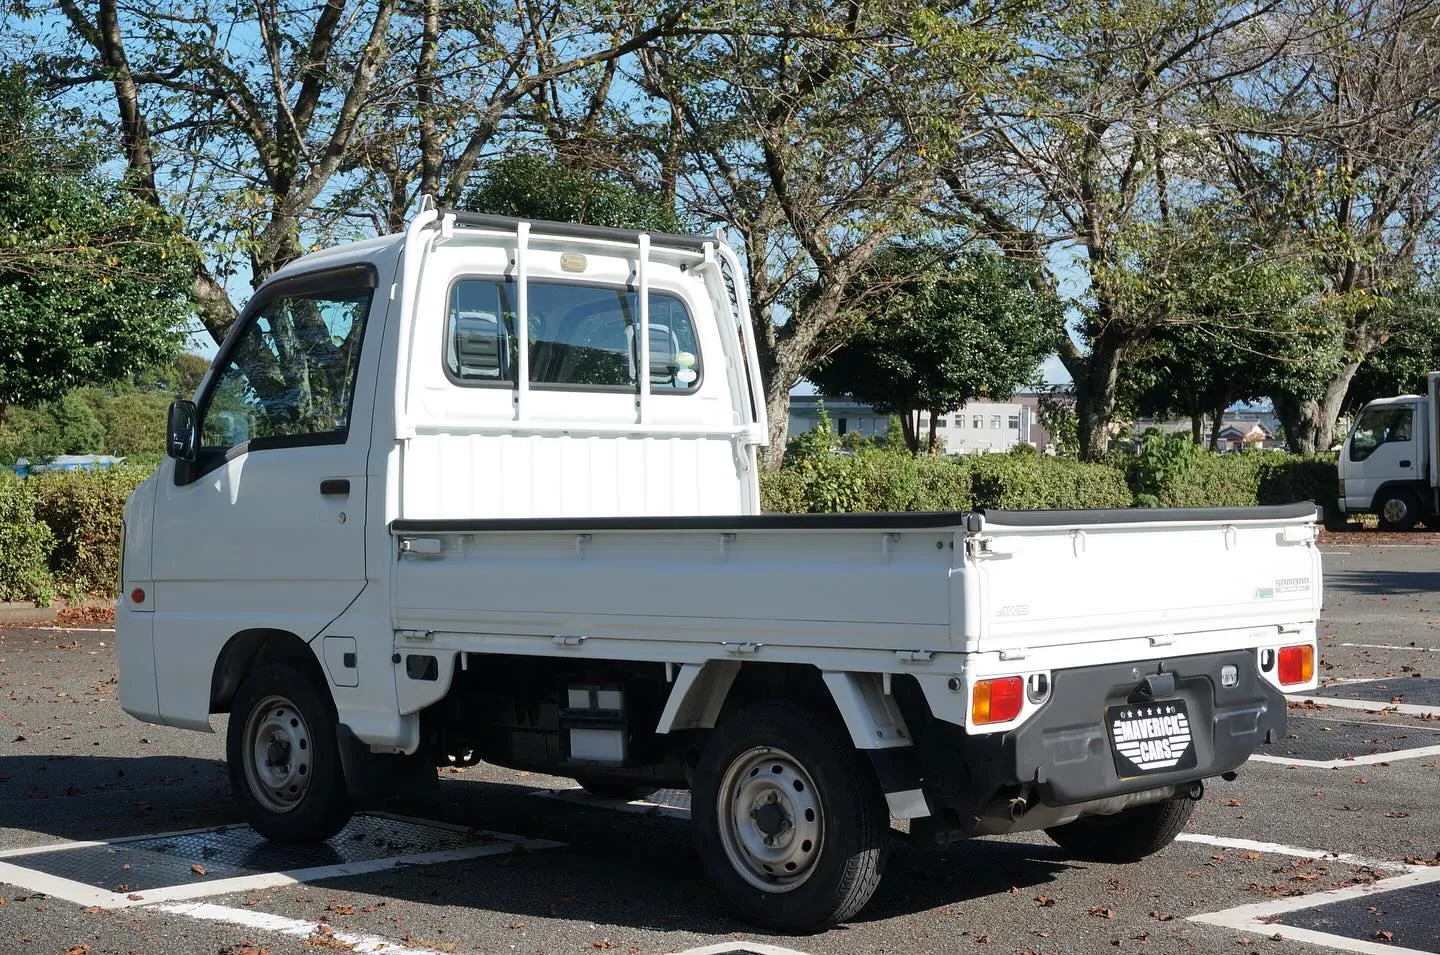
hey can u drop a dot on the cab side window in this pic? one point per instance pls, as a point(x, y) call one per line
point(290, 378)
point(1380, 426)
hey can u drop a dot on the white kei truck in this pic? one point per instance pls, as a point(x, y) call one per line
point(1389, 466)
point(487, 490)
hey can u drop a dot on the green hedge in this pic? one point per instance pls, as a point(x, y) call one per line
point(83, 511)
point(25, 544)
point(60, 532)
point(879, 480)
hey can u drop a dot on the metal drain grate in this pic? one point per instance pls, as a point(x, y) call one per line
point(1415, 690)
point(1407, 918)
point(1321, 739)
point(674, 799)
point(238, 851)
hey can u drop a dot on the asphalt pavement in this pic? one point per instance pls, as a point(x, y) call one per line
point(1331, 842)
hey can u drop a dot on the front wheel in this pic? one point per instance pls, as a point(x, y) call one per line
point(284, 758)
point(1127, 836)
point(1398, 510)
point(789, 819)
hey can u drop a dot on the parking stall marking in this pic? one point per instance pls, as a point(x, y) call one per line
point(69, 871)
point(295, 928)
point(1262, 917)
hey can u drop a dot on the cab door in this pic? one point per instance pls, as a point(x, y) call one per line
point(1383, 448)
point(265, 529)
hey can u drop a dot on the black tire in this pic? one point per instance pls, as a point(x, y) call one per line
point(823, 789)
point(1398, 510)
point(303, 799)
point(614, 789)
point(1129, 835)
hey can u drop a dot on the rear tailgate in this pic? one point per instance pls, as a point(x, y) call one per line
point(1045, 578)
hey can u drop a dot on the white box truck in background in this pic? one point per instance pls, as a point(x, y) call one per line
point(1389, 466)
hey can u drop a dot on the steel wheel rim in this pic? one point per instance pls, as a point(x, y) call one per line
point(772, 825)
point(1395, 510)
point(277, 753)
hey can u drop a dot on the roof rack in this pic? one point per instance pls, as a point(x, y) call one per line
point(575, 230)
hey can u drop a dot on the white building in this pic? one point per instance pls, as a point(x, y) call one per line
point(978, 427)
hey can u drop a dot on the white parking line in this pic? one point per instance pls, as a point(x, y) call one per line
point(754, 948)
point(81, 893)
point(1389, 646)
point(1369, 706)
point(1370, 759)
point(1259, 917)
point(1279, 849)
point(295, 928)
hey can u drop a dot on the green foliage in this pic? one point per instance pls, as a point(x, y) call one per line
point(878, 480)
point(25, 544)
point(83, 510)
point(1286, 479)
point(1160, 463)
point(937, 330)
point(534, 187)
point(93, 281)
point(1025, 483)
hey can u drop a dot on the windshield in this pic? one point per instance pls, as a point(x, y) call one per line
point(1378, 426)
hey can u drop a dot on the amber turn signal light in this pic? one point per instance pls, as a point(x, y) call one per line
point(998, 700)
point(1297, 664)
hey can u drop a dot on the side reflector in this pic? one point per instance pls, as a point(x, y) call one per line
point(1297, 664)
point(997, 701)
point(137, 595)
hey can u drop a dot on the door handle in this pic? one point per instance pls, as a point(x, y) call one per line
point(335, 486)
point(1404, 464)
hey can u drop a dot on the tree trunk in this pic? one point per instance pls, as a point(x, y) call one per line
point(908, 427)
point(1095, 388)
point(1310, 422)
point(777, 410)
point(934, 423)
point(1197, 422)
point(1215, 426)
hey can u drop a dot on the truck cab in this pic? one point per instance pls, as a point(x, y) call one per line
point(1388, 463)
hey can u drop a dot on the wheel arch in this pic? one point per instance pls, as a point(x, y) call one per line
point(249, 649)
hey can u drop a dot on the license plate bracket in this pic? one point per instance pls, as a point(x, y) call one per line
point(1150, 738)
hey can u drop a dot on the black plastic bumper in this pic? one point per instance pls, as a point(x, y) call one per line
point(1063, 754)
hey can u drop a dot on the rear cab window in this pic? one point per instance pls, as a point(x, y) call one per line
point(581, 337)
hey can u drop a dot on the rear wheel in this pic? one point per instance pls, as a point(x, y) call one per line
point(1398, 510)
point(789, 819)
point(284, 759)
point(1127, 836)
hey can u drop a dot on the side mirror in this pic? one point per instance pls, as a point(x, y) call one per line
point(183, 431)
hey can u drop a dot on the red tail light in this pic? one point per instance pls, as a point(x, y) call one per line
point(1296, 664)
point(998, 700)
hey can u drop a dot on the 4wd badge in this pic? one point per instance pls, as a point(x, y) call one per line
point(1150, 737)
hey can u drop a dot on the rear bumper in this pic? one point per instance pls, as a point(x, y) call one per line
point(1062, 755)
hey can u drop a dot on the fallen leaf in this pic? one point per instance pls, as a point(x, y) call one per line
point(1385, 936)
point(1252, 856)
point(79, 950)
point(341, 909)
point(1233, 802)
point(197, 868)
point(1045, 901)
point(517, 925)
point(135, 898)
point(1161, 916)
point(1100, 911)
